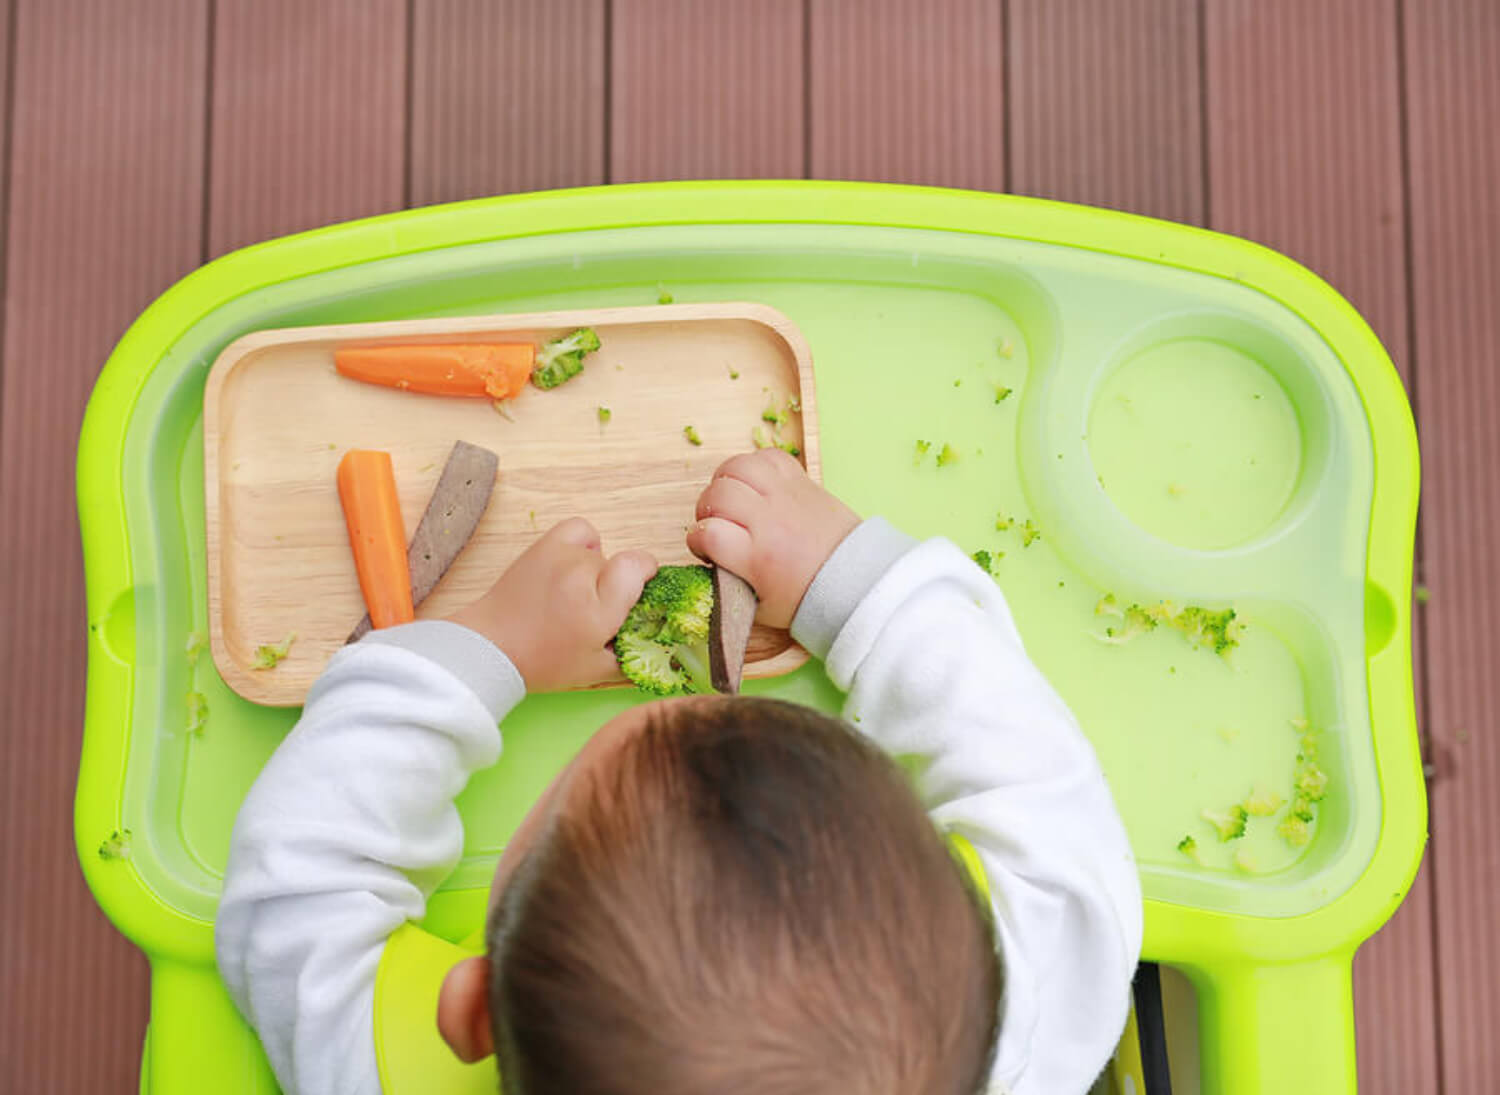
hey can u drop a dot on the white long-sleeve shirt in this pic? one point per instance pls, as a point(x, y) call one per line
point(352, 824)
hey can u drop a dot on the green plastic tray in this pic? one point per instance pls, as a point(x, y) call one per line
point(1192, 417)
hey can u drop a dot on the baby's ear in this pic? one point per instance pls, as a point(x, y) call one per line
point(463, 1011)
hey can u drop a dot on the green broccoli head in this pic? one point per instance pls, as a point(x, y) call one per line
point(663, 644)
point(562, 359)
point(1294, 830)
point(1230, 823)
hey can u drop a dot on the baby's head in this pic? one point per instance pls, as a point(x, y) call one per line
point(734, 895)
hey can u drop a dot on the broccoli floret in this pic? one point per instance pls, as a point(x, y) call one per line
point(922, 449)
point(1188, 847)
point(1230, 823)
point(1302, 808)
point(1294, 830)
point(663, 644)
point(985, 560)
point(269, 655)
point(788, 447)
point(1311, 781)
point(1137, 621)
point(116, 845)
point(197, 712)
point(562, 359)
point(692, 435)
point(1263, 803)
point(947, 455)
point(1206, 629)
point(197, 642)
point(776, 418)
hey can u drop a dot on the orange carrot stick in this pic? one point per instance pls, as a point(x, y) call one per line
point(495, 371)
point(367, 490)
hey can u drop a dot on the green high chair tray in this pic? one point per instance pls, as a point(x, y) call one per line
point(1191, 418)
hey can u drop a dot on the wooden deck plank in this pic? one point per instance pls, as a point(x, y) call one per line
point(104, 213)
point(308, 119)
point(506, 96)
point(1453, 100)
point(1304, 155)
point(1105, 104)
point(897, 97)
point(706, 90)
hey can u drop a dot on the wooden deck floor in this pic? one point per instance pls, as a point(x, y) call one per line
point(141, 139)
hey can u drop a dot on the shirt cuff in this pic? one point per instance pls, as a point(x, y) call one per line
point(850, 572)
point(468, 655)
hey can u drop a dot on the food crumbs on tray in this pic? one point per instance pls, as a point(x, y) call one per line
point(662, 296)
point(533, 518)
point(331, 446)
point(1002, 393)
point(788, 447)
point(1228, 734)
point(116, 845)
point(1029, 533)
point(427, 467)
point(947, 455)
point(197, 712)
point(270, 655)
point(1176, 490)
point(734, 374)
point(196, 642)
point(604, 414)
point(1423, 595)
point(794, 404)
point(922, 449)
point(502, 410)
point(958, 383)
point(692, 435)
point(1005, 348)
point(758, 438)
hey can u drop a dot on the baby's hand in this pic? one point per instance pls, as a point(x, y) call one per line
point(762, 518)
point(554, 611)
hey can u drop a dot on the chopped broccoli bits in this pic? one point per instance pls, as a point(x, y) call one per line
point(692, 435)
point(116, 845)
point(1263, 803)
point(1002, 393)
point(1230, 823)
point(605, 414)
point(946, 456)
point(562, 359)
point(270, 655)
point(663, 644)
point(197, 642)
point(1294, 830)
point(922, 449)
point(197, 712)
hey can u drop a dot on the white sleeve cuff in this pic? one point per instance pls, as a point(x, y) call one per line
point(849, 573)
point(468, 655)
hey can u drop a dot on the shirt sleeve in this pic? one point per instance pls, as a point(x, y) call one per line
point(924, 644)
point(344, 836)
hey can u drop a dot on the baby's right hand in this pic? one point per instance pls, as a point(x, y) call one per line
point(763, 518)
point(555, 609)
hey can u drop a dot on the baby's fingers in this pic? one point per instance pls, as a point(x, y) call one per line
point(621, 580)
point(575, 531)
point(731, 499)
point(723, 543)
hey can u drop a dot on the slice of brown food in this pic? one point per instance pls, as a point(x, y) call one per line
point(458, 502)
point(729, 629)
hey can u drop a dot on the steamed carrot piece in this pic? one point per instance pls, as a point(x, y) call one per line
point(492, 371)
point(367, 490)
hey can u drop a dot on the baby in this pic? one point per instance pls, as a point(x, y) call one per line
point(934, 897)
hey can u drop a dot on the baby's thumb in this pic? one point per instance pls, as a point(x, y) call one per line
point(621, 580)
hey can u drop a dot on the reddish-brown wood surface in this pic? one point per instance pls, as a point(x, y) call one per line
point(105, 206)
point(1452, 107)
point(1357, 136)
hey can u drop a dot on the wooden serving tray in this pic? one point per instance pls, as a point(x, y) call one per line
point(277, 419)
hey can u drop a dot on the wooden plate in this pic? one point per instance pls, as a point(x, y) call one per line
point(277, 419)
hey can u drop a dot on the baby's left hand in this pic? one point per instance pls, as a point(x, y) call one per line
point(554, 611)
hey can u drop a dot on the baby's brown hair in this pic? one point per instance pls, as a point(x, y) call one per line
point(749, 898)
